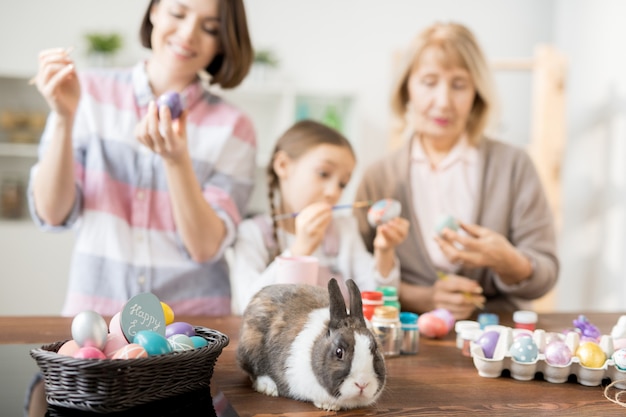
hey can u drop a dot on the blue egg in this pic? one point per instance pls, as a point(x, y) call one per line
point(524, 350)
point(199, 341)
point(152, 342)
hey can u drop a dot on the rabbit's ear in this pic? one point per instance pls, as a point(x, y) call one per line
point(356, 303)
point(338, 311)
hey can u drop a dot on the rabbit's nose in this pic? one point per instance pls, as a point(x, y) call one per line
point(362, 386)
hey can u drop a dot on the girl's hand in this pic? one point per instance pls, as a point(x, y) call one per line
point(391, 234)
point(483, 247)
point(311, 224)
point(457, 294)
point(160, 134)
point(57, 82)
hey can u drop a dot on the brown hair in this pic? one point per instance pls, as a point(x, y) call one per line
point(231, 65)
point(458, 48)
point(295, 142)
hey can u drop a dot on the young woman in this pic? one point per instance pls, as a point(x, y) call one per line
point(309, 169)
point(505, 249)
point(155, 200)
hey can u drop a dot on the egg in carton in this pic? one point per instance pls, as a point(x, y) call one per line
point(524, 354)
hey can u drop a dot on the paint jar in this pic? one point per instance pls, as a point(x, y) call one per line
point(525, 319)
point(387, 328)
point(410, 333)
point(488, 319)
point(461, 325)
point(390, 296)
point(371, 300)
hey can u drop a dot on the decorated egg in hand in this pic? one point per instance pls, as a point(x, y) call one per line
point(488, 341)
point(557, 353)
point(382, 211)
point(446, 221)
point(591, 355)
point(524, 350)
point(172, 100)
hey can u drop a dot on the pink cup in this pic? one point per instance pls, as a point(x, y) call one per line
point(296, 270)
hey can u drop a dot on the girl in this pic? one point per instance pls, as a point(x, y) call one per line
point(155, 200)
point(505, 250)
point(310, 167)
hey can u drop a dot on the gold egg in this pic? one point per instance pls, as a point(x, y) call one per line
point(168, 313)
point(591, 355)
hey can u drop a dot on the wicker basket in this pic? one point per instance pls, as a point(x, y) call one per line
point(106, 386)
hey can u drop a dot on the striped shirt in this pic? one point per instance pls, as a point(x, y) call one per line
point(127, 242)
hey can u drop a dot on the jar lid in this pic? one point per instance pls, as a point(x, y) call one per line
point(461, 325)
point(525, 316)
point(407, 317)
point(386, 312)
point(372, 295)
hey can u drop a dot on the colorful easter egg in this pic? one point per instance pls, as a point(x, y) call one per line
point(154, 343)
point(68, 348)
point(488, 341)
point(524, 350)
point(131, 351)
point(382, 211)
point(430, 325)
point(557, 353)
point(115, 326)
point(89, 352)
point(115, 341)
point(90, 329)
point(168, 313)
point(446, 316)
point(179, 327)
point(591, 355)
point(619, 357)
point(199, 341)
point(445, 221)
point(172, 100)
point(180, 342)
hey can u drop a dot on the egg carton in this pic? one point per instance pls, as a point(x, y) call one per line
point(526, 371)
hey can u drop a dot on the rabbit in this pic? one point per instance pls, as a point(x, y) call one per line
point(298, 341)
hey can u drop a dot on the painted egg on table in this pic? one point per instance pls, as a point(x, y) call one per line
point(90, 329)
point(557, 353)
point(168, 313)
point(446, 316)
point(445, 221)
point(382, 211)
point(172, 100)
point(114, 343)
point(180, 342)
point(131, 351)
point(89, 352)
point(488, 341)
point(199, 341)
point(524, 350)
point(153, 342)
point(179, 327)
point(619, 357)
point(591, 355)
point(68, 348)
point(430, 325)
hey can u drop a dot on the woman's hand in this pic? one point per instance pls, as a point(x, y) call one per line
point(483, 247)
point(311, 224)
point(57, 82)
point(164, 136)
point(457, 294)
point(391, 234)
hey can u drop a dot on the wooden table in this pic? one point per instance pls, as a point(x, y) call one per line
point(436, 381)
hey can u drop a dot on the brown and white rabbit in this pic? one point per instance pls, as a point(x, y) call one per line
point(298, 341)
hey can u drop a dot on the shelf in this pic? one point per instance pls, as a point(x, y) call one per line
point(20, 150)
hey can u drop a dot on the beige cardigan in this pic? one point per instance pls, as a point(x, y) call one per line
point(512, 202)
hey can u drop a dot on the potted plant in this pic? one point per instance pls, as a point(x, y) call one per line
point(102, 47)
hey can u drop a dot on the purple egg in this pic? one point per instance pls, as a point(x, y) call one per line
point(179, 327)
point(557, 353)
point(172, 100)
point(488, 341)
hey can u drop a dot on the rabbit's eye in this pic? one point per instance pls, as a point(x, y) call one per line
point(339, 353)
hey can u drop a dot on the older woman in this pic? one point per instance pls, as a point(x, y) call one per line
point(481, 227)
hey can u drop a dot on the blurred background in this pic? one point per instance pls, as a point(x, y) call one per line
point(558, 67)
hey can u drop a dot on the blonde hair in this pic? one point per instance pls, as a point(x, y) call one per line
point(458, 48)
point(295, 142)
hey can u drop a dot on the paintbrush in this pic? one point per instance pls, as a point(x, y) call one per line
point(357, 204)
point(468, 296)
point(67, 51)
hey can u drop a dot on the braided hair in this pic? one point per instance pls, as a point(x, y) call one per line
point(295, 142)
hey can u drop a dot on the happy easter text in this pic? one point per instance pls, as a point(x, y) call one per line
point(148, 321)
